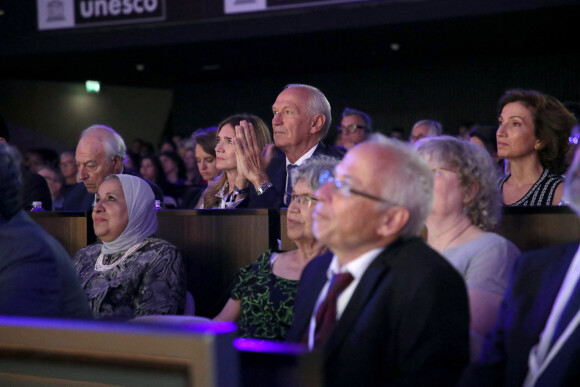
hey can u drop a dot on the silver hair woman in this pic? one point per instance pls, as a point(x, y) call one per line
point(276, 274)
point(465, 209)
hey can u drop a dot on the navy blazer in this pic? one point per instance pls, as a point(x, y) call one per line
point(276, 171)
point(407, 322)
point(37, 276)
point(79, 199)
point(534, 285)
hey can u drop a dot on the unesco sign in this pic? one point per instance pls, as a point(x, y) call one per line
point(56, 14)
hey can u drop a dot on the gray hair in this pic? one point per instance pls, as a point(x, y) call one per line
point(408, 182)
point(435, 127)
point(10, 181)
point(317, 104)
point(365, 117)
point(310, 170)
point(112, 142)
point(474, 166)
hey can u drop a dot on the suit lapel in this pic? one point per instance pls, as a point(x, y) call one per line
point(567, 343)
point(361, 296)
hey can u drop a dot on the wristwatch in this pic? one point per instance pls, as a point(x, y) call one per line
point(264, 187)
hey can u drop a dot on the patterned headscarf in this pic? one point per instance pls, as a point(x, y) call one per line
point(142, 214)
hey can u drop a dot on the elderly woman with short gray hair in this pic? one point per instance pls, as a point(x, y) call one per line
point(466, 208)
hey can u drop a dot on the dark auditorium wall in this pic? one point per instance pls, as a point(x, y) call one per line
point(61, 110)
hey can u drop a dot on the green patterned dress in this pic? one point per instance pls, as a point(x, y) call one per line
point(267, 301)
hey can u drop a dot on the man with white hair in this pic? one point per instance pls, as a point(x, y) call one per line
point(425, 128)
point(536, 340)
point(301, 120)
point(100, 152)
point(401, 316)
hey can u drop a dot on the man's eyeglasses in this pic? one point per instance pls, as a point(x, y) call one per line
point(437, 171)
point(301, 200)
point(349, 128)
point(343, 186)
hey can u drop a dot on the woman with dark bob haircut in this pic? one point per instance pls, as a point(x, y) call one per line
point(533, 135)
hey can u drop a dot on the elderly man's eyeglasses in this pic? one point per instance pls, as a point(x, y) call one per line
point(349, 128)
point(302, 200)
point(343, 186)
point(437, 171)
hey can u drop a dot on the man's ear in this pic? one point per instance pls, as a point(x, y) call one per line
point(118, 164)
point(393, 220)
point(317, 123)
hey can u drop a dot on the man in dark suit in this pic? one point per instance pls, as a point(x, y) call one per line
point(301, 120)
point(404, 318)
point(536, 341)
point(37, 277)
point(100, 152)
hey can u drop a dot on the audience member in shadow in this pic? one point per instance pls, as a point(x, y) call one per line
point(152, 170)
point(129, 273)
point(34, 187)
point(204, 141)
point(465, 210)
point(68, 168)
point(536, 339)
point(533, 135)
point(37, 277)
point(56, 185)
point(231, 188)
point(262, 301)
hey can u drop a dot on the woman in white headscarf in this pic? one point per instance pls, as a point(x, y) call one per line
point(129, 273)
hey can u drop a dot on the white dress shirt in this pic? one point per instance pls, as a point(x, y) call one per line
point(356, 268)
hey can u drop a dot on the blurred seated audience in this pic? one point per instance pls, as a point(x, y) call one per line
point(464, 129)
point(40, 157)
point(354, 127)
point(192, 175)
point(533, 135)
point(37, 277)
point(231, 188)
point(398, 133)
point(68, 169)
point(485, 137)
point(34, 187)
point(537, 336)
point(100, 152)
point(425, 128)
point(175, 172)
point(132, 160)
point(152, 170)
point(465, 210)
point(129, 273)
point(167, 145)
point(55, 182)
point(262, 300)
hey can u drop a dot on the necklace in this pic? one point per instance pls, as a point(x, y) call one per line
point(100, 266)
